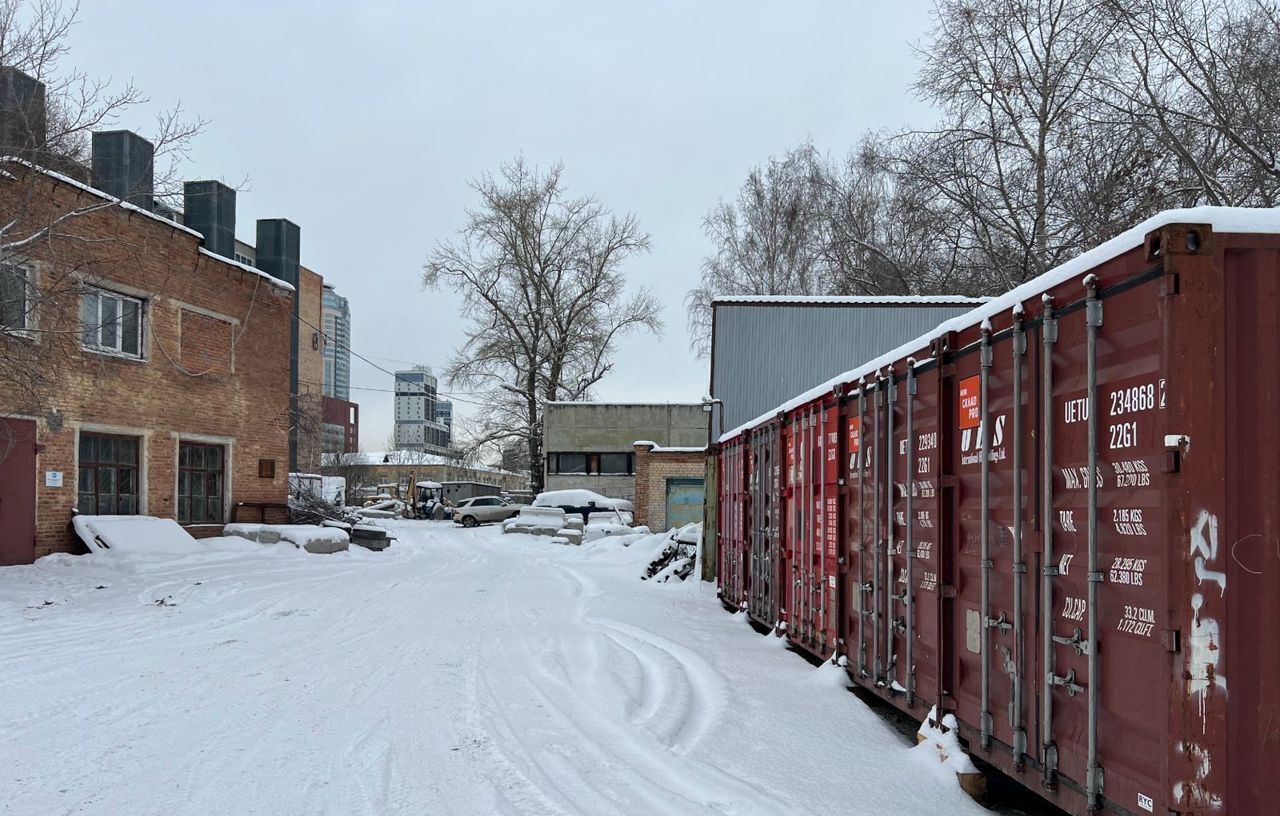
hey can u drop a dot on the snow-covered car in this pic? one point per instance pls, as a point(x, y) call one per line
point(582, 503)
point(483, 509)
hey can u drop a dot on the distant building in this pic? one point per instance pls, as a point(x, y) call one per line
point(417, 424)
point(591, 445)
point(336, 322)
point(340, 426)
point(444, 415)
point(767, 349)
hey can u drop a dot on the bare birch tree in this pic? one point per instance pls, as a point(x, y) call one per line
point(540, 274)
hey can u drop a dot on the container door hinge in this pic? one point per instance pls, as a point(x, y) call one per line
point(1171, 639)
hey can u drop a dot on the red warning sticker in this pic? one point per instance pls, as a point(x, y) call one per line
point(970, 402)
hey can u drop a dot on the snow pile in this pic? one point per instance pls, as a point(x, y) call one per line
point(134, 534)
point(604, 529)
point(939, 741)
point(313, 538)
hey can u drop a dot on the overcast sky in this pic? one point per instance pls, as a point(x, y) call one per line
point(364, 125)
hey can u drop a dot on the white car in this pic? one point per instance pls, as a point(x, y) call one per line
point(484, 509)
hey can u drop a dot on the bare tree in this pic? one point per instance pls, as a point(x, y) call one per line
point(1012, 79)
point(1202, 77)
point(767, 241)
point(540, 273)
point(45, 125)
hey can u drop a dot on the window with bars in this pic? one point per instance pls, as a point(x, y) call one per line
point(14, 296)
point(111, 322)
point(108, 475)
point(201, 477)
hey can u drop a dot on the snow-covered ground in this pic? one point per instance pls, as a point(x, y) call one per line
point(458, 672)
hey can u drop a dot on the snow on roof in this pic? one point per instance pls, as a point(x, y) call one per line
point(1221, 219)
point(271, 279)
point(125, 205)
point(656, 448)
point(850, 300)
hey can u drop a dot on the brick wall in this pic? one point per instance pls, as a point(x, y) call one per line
point(189, 299)
point(310, 370)
point(653, 468)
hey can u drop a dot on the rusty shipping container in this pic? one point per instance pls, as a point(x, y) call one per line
point(1057, 518)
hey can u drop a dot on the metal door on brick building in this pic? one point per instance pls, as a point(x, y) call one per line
point(17, 491)
point(685, 498)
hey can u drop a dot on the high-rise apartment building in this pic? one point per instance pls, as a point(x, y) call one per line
point(336, 322)
point(417, 424)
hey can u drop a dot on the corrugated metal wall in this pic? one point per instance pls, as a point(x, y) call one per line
point(765, 354)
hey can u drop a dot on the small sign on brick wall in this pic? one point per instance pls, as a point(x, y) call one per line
point(53, 478)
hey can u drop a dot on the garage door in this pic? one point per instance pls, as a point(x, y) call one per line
point(17, 491)
point(684, 501)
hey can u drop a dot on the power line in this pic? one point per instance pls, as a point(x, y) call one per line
point(394, 375)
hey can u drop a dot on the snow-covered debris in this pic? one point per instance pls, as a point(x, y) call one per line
point(134, 534)
point(545, 521)
point(611, 517)
point(677, 556)
point(940, 739)
point(313, 538)
point(580, 498)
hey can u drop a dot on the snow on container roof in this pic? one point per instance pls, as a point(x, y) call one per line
point(848, 300)
point(1221, 219)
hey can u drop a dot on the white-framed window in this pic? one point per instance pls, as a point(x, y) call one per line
point(15, 296)
point(111, 322)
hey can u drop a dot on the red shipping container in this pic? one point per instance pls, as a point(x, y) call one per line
point(1059, 522)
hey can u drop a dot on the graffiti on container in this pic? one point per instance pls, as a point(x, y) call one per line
point(1132, 473)
point(1137, 620)
point(1204, 546)
point(1194, 792)
point(971, 442)
point(1077, 478)
point(1203, 656)
point(1127, 571)
point(1128, 521)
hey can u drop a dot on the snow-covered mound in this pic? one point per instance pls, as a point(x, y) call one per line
point(134, 534)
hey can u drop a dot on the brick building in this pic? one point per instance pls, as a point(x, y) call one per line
point(670, 486)
point(145, 370)
point(589, 445)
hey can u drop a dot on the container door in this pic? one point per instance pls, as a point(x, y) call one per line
point(1126, 708)
point(923, 468)
point(795, 505)
point(17, 491)
point(897, 479)
point(767, 593)
point(829, 511)
point(870, 506)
